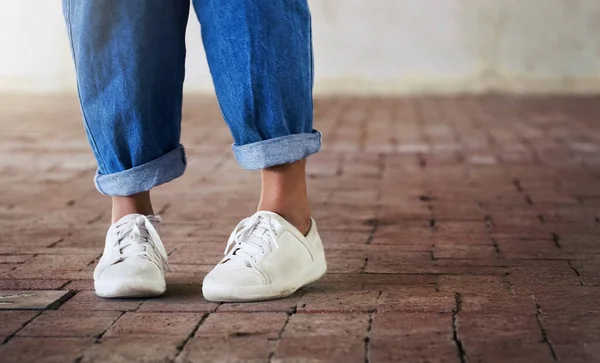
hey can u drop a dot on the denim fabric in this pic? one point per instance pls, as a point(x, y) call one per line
point(130, 61)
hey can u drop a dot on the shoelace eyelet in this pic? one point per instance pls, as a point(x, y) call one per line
point(238, 238)
point(148, 244)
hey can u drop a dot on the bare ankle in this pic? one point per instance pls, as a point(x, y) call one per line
point(284, 192)
point(138, 203)
point(297, 217)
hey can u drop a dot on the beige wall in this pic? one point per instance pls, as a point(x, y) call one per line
point(399, 46)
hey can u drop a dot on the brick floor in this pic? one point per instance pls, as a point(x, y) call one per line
point(458, 229)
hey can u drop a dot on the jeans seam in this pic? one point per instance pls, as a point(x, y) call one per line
point(311, 55)
point(70, 30)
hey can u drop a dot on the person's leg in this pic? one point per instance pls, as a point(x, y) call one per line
point(139, 203)
point(129, 58)
point(260, 56)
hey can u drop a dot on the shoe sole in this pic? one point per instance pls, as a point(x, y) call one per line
point(268, 292)
point(128, 290)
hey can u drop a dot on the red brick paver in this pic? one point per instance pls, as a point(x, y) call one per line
point(458, 229)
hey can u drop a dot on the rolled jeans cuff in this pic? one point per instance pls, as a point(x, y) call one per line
point(277, 151)
point(143, 177)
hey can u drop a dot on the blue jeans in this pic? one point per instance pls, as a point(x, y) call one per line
point(130, 62)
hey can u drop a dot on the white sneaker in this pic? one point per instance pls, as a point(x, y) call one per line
point(134, 259)
point(266, 258)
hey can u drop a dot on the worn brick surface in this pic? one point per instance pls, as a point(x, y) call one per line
point(572, 329)
point(288, 305)
point(344, 301)
point(43, 350)
point(180, 297)
point(253, 348)
point(578, 352)
point(32, 284)
point(324, 325)
point(243, 324)
point(133, 349)
point(475, 327)
point(457, 229)
point(12, 321)
point(154, 324)
point(412, 326)
point(69, 324)
point(316, 349)
point(511, 351)
point(87, 300)
point(391, 350)
point(472, 284)
point(416, 299)
point(31, 299)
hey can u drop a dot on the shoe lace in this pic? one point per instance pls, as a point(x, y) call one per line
point(139, 237)
point(252, 238)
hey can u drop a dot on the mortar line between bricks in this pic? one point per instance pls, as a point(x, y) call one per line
point(556, 240)
point(55, 243)
point(534, 152)
point(489, 226)
point(368, 339)
point(370, 328)
point(496, 247)
point(221, 162)
point(374, 229)
point(214, 169)
point(164, 209)
point(566, 258)
point(577, 273)
point(381, 158)
point(285, 323)
point(97, 340)
point(531, 203)
point(422, 160)
point(455, 337)
point(393, 127)
point(376, 222)
point(339, 172)
point(362, 128)
point(518, 185)
point(511, 287)
point(94, 261)
point(99, 336)
point(182, 345)
point(137, 308)
point(26, 261)
point(538, 312)
point(95, 219)
point(340, 167)
point(65, 285)
point(63, 299)
point(378, 301)
point(364, 267)
point(541, 218)
point(432, 223)
point(489, 223)
point(10, 336)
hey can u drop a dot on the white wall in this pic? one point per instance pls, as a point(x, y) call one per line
point(369, 45)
